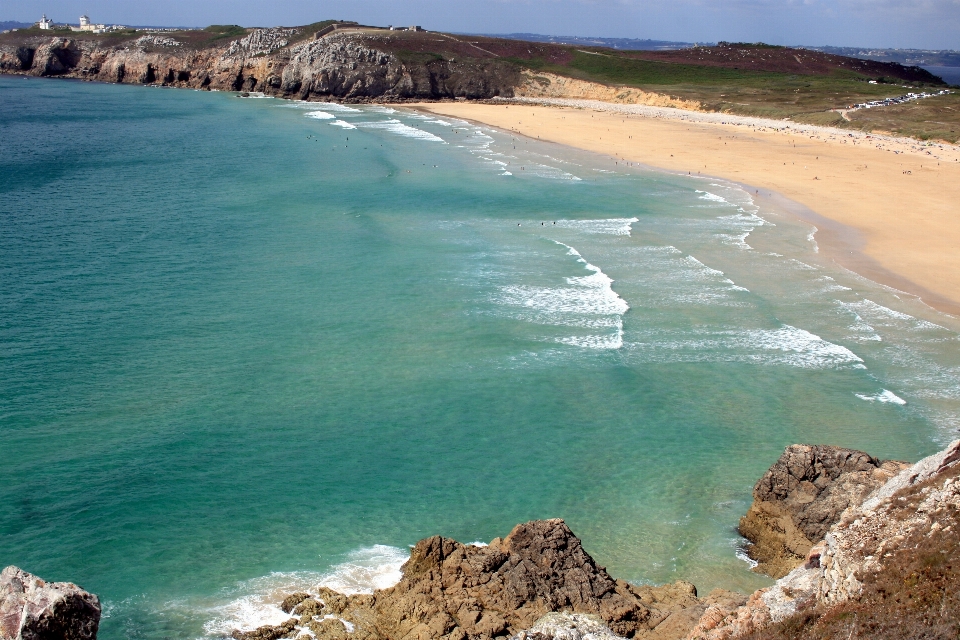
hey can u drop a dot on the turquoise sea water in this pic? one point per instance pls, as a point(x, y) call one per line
point(248, 345)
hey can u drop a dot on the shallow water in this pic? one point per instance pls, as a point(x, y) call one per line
point(248, 347)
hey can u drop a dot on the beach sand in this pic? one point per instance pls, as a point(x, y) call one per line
point(887, 208)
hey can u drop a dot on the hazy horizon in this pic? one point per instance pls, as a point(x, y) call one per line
point(913, 24)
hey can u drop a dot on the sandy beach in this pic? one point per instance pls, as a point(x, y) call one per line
point(887, 208)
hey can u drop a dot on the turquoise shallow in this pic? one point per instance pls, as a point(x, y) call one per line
point(251, 344)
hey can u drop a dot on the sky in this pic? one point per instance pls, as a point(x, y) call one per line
point(920, 24)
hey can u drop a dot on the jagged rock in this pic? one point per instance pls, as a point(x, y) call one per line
point(261, 41)
point(31, 609)
point(292, 601)
point(857, 545)
point(452, 591)
point(267, 632)
point(919, 502)
point(343, 66)
point(801, 496)
point(157, 41)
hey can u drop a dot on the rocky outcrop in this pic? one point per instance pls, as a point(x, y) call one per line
point(864, 550)
point(341, 66)
point(452, 591)
point(262, 42)
point(31, 609)
point(567, 626)
point(801, 496)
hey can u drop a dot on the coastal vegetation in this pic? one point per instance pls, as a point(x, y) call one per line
point(751, 79)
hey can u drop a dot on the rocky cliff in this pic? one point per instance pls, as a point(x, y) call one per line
point(801, 496)
point(888, 568)
point(31, 609)
point(344, 65)
point(452, 591)
point(883, 561)
point(874, 544)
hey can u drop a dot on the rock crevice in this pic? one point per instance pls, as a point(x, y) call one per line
point(801, 496)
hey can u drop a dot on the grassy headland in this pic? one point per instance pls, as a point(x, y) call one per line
point(745, 79)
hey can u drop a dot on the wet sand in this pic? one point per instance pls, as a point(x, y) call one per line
point(887, 208)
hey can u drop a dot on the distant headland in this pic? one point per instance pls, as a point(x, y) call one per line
point(343, 60)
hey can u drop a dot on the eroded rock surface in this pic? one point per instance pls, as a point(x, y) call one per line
point(568, 626)
point(31, 609)
point(801, 496)
point(920, 503)
point(452, 591)
point(342, 66)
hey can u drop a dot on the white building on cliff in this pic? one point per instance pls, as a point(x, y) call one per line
point(44, 23)
point(86, 25)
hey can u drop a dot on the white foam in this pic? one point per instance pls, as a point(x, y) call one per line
point(712, 197)
point(548, 172)
point(588, 302)
point(327, 106)
point(611, 226)
point(398, 128)
point(747, 218)
point(885, 396)
point(431, 119)
point(811, 238)
point(341, 123)
point(257, 602)
point(787, 345)
point(742, 555)
point(806, 349)
point(801, 265)
point(744, 223)
point(614, 341)
point(736, 239)
point(704, 268)
point(862, 330)
point(881, 313)
point(367, 569)
point(320, 115)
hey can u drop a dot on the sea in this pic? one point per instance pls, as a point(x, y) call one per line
point(950, 75)
point(250, 346)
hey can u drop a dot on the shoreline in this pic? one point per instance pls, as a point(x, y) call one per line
point(897, 225)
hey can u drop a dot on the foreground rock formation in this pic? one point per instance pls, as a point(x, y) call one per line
point(880, 540)
point(885, 569)
point(453, 591)
point(801, 496)
point(886, 566)
point(31, 609)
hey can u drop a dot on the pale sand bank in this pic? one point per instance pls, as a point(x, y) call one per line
point(900, 197)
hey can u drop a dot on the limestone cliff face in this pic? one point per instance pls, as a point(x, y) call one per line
point(338, 66)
